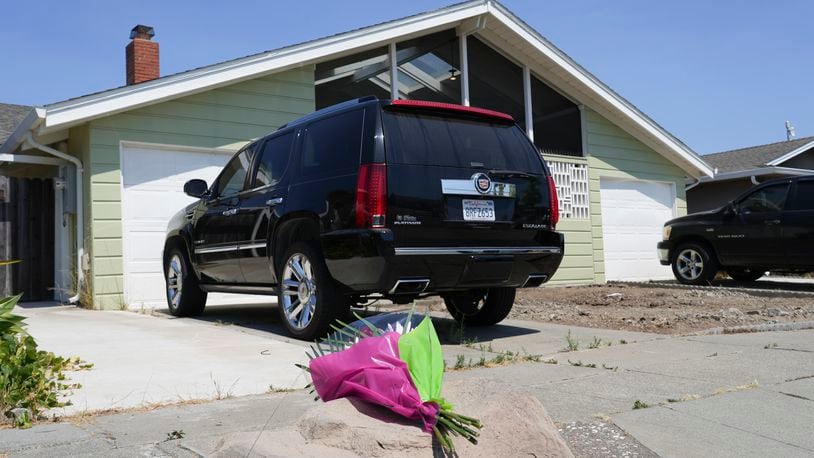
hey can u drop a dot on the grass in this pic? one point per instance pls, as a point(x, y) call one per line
point(609, 368)
point(770, 345)
point(640, 405)
point(500, 359)
point(622, 341)
point(272, 389)
point(596, 343)
point(581, 364)
point(571, 344)
point(174, 435)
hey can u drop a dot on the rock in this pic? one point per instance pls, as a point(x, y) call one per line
point(581, 312)
point(753, 312)
point(20, 415)
point(617, 296)
point(734, 311)
point(776, 312)
point(515, 424)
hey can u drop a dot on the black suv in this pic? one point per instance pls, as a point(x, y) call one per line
point(770, 227)
point(371, 199)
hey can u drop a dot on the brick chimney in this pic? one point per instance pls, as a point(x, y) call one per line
point(142, 55)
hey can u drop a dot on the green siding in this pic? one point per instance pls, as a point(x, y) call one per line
point(225, 117)
point(614, 153)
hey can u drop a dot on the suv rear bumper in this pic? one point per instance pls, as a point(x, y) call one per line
point(367, 261)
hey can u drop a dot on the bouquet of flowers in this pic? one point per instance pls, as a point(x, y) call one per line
point(390, 362)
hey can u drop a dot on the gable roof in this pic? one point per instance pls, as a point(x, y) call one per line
point(480, 16)
point(759, 156)
point(10, 117)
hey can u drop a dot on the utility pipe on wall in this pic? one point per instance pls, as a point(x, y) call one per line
point(80, 221)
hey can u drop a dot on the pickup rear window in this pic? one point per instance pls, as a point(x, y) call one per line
point(424, 139)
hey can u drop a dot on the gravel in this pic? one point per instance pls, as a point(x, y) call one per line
point(599, 438)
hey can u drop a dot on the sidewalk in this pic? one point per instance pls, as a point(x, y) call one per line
point(722, 395)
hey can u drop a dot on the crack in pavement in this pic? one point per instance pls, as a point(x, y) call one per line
point(736, 428)
point(797, 396)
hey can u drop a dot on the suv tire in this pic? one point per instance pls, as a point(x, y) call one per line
point(479, 308)
point(184, 296)
point(308, 298)
point(694, 264)
point(746, 274)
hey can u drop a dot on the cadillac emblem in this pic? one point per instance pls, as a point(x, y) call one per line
point(483, 183)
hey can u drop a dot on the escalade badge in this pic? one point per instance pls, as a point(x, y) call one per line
point(483, 183)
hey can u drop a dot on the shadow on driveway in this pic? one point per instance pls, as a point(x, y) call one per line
point(264, 319)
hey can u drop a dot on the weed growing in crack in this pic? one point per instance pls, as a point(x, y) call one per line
point(640, 405)
point(581, 364)
point(596, 343)
point(571, 343)
point(770, 345)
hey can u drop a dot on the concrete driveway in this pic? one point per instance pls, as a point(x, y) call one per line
point(139, 359)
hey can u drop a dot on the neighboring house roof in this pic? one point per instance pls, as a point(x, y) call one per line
point(10, 117)
point(758, 156)
point(483, 16)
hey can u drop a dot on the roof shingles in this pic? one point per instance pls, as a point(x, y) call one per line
point(10, 116)
point(752, 157)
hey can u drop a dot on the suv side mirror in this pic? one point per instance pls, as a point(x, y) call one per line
point(195, 188)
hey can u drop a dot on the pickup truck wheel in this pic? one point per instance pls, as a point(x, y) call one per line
point(694, 264)
point(746, 274)
point(184, 296)
point(481, 309)
point(308, 299)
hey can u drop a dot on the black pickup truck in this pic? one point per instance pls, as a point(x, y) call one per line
point(371, 199)
point(770, 227)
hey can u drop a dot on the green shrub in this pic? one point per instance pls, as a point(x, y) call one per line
point(30, 379)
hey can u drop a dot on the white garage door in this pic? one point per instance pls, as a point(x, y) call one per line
point(152, 191)
point(633, 214)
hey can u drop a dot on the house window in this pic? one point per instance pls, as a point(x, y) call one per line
point(351, 77)
point(556, 121)
point(495, 82)
point(429, 68)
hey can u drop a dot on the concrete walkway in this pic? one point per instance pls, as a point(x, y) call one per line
point(723, 395)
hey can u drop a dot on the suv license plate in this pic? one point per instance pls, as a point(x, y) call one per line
point(478, 210)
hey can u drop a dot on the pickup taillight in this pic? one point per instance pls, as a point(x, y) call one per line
point(553, 203)
point(371, 196)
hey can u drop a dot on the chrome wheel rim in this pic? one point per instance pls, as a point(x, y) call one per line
point(175, 281)
point(690, 264)
point(299, 291)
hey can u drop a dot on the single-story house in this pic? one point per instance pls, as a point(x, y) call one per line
point(738, 170)
point(124, 154)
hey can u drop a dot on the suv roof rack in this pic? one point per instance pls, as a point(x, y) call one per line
point(330, 109)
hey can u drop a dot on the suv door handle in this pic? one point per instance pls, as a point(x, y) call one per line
point(275, 201)
point(771, 222)
point(230, 212)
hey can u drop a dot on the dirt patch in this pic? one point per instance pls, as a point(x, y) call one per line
point(661, 309)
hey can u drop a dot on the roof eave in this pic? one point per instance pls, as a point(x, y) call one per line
point(792, 154)
point(76, 111)
point(32, 120)
point(759, 171)
point(691, 162)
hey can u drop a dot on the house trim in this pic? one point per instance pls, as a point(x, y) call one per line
point(792, 154)
point(760, 171)
point(73, 112)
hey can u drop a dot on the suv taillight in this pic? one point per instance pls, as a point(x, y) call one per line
point(371, 196)
point(553, 203)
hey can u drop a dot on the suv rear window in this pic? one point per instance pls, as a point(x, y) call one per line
point(421, 139)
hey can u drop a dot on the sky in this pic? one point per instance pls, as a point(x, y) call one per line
point(718, 74)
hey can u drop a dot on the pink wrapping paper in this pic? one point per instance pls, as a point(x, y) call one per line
point(371, 370)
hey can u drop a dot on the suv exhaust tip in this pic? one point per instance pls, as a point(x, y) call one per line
point(410, 286)
point(535, 280)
